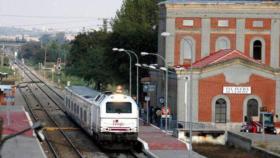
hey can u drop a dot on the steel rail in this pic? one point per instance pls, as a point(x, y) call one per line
point(47, 113)
point(36, 119)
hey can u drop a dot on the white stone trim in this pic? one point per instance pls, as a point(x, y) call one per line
point(213, 104)
point(220, 39)
point(192, 43)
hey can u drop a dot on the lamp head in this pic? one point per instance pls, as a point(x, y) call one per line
point(138, 64)
point(163, 68)
point(144, 65)
point(144, 53)
point(115, 49)
point(165, 34)
point(121, 50)
point(152, 67)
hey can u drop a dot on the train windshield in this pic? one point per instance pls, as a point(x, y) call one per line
point(118, 107)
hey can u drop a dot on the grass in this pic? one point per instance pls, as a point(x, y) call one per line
point(6, 69)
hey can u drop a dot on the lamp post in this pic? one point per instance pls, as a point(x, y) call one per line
point(137, 72)
point(116, 49)
point(166, 81)
point(190, 113)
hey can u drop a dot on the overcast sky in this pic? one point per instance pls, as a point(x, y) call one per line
point(68, 14)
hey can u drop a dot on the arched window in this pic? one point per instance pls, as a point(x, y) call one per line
point(220, 111)
point(187, 49)
point(222, 43)
point(252, 108)
point(257, 50)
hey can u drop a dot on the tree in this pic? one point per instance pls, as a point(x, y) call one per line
point(134, 28)
point(87, 58)
point(32, 51)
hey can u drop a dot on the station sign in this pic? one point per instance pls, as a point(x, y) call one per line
point(236, 90)
point(147, 98)
point(149, 88)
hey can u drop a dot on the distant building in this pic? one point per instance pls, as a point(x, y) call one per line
point(228, 84)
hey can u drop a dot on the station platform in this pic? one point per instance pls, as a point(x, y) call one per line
point(160, 144)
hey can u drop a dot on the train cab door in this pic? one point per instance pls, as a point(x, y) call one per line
point(95, 118)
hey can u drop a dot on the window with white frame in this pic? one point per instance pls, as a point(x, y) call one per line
point(221, 111)
point(258, 23)
point(187, 49)
point(222, 43)
point(257, 50)
point(223, 23)
point(252, 108)
point(188, 22)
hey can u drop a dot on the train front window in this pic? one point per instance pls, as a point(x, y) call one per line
point(118, 107)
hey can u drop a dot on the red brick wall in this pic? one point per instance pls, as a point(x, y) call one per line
point(213, 86)
point(266, 24)
point(231, 22)
point(179, 22)
point(215, 36)
point(266, 38)
point(178, 38)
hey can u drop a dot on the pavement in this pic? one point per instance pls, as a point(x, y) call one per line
point(16, 119)
point(267, 141)
point(161, 144)
point(26, 145)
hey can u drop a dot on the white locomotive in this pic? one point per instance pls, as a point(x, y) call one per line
point(111, 119)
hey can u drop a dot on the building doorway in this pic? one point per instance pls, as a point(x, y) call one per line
point(252, 108)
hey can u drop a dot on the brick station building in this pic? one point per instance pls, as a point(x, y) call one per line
point(233, 47)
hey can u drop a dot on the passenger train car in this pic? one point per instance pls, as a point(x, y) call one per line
point(111, 119)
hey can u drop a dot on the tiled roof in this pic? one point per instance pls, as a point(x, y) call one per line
point(220, 56)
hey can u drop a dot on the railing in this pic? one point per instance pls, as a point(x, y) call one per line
point(194, 125)
point(174, 124)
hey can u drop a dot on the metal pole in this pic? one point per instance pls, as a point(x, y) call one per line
point(166, 86)
point(45, 57)
point(123, 50)
point(129, 72)
point(263, 132)
point(166, 94)
point(190, 112)
point(147, 111)
point(137, 76)
point(166, 83)
point(130, 76)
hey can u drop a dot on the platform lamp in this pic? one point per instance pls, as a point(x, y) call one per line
point(166, 81)
point(137, 64)
point(118, 50)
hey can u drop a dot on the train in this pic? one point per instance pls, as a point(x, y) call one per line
point(110, 118)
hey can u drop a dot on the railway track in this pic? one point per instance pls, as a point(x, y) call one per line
point(41, 112)
point(50, 110)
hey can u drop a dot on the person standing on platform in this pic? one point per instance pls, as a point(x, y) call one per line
point(151, 113)
point(157, 115)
